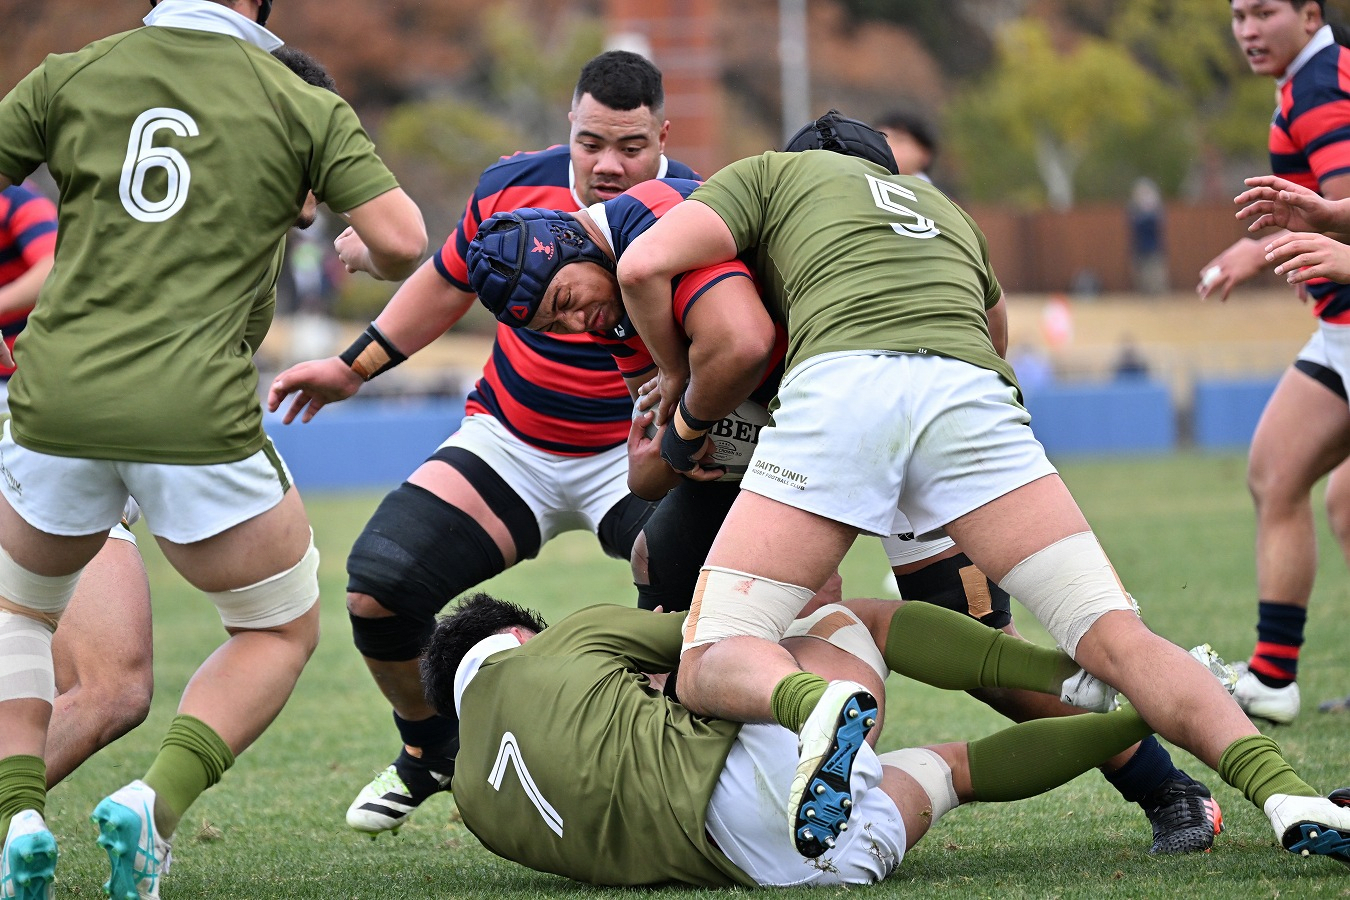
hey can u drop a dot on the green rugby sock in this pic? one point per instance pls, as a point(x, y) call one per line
point(1253, 765)
point(23, 785)
point(191, 758)
point(1033, 757)
point(795, 697)
point(951, 651)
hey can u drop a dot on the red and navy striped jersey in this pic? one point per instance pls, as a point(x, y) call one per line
point(629, 215)
point(27, 236)
point(560, 393)
point(1310, 143)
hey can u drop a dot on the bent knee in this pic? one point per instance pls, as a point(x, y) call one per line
point(367, 607)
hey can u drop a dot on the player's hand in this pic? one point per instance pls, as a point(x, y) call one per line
point(1271, 201)
point(353, 252)
point(315, 384)
point(1230, 268)
point(649, 394)
point(648, 475)
point(1301, 257)
point(670, 384)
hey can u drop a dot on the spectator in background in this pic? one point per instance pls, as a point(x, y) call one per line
point(27, 242)
point(1148, 254)
point(1130, 362)
point(913, 140)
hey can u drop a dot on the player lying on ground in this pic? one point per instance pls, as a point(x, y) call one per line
point(573, 760)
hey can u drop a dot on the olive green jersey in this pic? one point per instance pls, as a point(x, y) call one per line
point(850, 257)
point(182, 155)
point(570, 762)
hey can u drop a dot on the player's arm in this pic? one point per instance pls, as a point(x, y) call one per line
point(22, 292)
point(392, 237)
point(731, 338)
point(422, 309)
point(688, 237)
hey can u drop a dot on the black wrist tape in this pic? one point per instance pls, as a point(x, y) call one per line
point(371, 353)
point(694, 422)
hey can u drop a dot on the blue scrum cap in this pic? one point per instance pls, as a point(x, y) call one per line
point(515, 255)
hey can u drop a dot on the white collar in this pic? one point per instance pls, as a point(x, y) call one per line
point(204, 15)
point(572, 179)
point(473, 660)
point(1321, 38)
point(600, 217)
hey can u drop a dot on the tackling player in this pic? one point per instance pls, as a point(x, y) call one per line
point(703, 801)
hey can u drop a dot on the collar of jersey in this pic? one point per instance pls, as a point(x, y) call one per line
point(1321, 39)
point(473, 660)
point(204, 15)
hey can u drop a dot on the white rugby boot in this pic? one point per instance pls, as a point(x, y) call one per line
point(1276, 705)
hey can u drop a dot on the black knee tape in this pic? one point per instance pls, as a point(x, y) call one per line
point(620, 526)
point(417, 553)
point(395, 638)
point(943, 584)
point(679, 535)
point(504, 502)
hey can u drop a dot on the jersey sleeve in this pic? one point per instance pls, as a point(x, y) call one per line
point(23, 118)
point(993, 291)
point(450, 259)
point(630, 354)
point(691, 286)
point(346, 171)
point(737, 194)
point(645, 641)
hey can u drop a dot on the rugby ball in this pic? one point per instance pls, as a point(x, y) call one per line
point(734, 439)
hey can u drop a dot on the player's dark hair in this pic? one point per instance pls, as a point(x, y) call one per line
point(912, 123)
point(475, 617)
point(310, 70)
point(621, 79)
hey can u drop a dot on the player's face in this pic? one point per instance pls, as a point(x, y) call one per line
point(1270, 33)
point(581, 297)
point(613, 149)
point(911, 157)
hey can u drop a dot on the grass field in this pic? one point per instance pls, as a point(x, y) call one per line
point(1179, 530)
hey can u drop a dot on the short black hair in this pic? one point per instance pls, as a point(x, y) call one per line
point(475, 617)
point(621, 79)
point(307, 67)
point(912, 123)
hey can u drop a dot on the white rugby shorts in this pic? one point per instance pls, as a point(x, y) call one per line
point(69, 495)
point(748, 817)
point(565, 493)
point(861, 436)
point(1329, 347)
point(903, 548)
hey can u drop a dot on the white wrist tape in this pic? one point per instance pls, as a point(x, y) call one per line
point(728, 603)
point(840, 626)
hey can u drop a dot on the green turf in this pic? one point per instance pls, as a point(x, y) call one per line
point(1179, 530)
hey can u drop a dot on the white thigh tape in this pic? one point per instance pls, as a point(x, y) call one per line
point(46, 594)
point(728, 603)
point(840, 626)
point(273, 601)
point(931, 772)
point(25, 659)
point(1068, 586)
